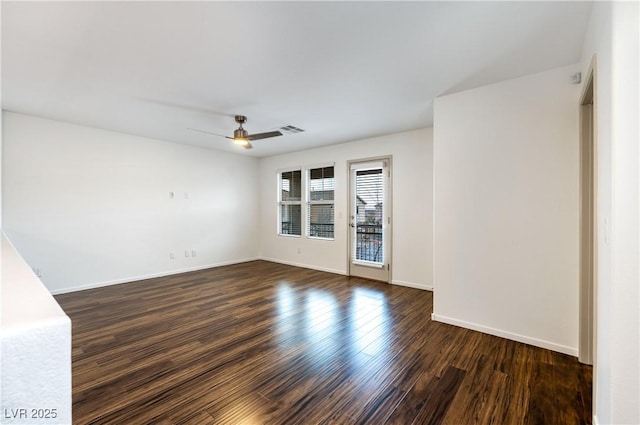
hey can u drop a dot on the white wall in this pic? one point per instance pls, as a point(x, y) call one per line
point(412, 206)
point(612, 37)
point(35, 340)
point(506, 209)
point(89, 207)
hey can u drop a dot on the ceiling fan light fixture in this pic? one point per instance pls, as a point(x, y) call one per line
point(241, 142)
point(241, 137)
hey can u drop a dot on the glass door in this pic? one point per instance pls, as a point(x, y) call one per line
point(370, 219)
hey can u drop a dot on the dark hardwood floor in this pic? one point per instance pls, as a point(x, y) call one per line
point(264, 343)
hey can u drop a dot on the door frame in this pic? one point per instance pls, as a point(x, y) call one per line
point(588, 218)
point(388, 233)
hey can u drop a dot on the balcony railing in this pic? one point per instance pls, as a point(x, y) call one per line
point(321, 230)
point(369, 242)
point(290, 228)
point(368, 246)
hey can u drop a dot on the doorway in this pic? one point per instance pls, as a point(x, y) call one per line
point(587, 220)
point(370, 219)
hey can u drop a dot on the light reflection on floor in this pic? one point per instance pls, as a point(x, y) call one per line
point(315, 316)
point(286, 308)
point(314, 331)
point(369, 310)
point(321, 326)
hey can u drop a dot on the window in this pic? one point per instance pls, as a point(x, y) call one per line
point(320, 198)
point(290, 217)
point(318, 188)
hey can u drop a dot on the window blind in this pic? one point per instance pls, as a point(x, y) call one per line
point(320, 204)
point(369, 188)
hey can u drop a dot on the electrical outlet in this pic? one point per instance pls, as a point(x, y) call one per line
point(193, 253)
point(187, 253)
point(172, 256)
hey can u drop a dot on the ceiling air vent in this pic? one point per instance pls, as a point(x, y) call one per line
point(289, 129)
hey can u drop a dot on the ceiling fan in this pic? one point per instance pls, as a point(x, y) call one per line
point(240, 136)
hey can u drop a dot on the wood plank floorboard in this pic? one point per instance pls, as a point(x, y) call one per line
point(265, 343)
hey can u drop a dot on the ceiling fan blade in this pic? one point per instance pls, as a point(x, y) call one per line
point(266, 135)
point(208, 132)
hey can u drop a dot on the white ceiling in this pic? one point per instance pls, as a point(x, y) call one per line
point(340, 70)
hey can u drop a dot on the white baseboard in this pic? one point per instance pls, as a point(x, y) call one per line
point(305, 266)
point(344, 273)
point(148, 276)
point(412, 285)
point(505, 334)
point(226, 263)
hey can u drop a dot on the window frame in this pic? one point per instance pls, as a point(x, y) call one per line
point(282, 202)
point(309, 202)
point(305, 201)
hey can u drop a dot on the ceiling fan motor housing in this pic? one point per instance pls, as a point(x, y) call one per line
point(240, 133)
